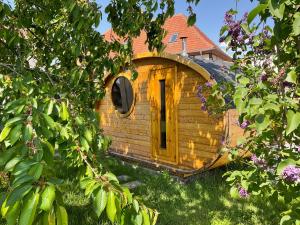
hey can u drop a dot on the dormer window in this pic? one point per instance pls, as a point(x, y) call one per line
point(173, 38)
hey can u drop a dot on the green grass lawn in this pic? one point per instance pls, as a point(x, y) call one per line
point(203, 201)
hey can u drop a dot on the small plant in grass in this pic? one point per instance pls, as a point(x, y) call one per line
point(266, 95)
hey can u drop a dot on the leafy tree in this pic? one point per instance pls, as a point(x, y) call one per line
point(266, 95)
point(52, 65)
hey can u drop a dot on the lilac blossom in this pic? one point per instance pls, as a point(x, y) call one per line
point(291, 173)
point(245, 124)
point(203, 108)
point(208, 84)
point(263, 76)
point(222, 39)
point(203, 99)
point(243, 192)
point(200, 88)
point(258, 161)
point(223, 140)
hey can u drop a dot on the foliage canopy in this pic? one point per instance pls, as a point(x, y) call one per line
point(52, 65)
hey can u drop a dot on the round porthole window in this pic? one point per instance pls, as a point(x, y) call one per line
point(122, 95)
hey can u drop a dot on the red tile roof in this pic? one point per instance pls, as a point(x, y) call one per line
point(197, 41)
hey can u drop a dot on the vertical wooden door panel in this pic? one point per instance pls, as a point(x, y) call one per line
point(162, 84)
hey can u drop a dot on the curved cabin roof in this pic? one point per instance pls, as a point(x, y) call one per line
point(220, 71)
point(211, 70)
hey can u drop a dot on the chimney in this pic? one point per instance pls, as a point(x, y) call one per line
point(184, 46)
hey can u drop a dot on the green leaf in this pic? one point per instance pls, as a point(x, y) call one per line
point(12, 163)
point(13, 121)
point(192, 19)
point(146, 218)
point(244, 80)
point(36, 171)
point(27, 133)
point(48, 152)
point(111, 177)
point(49, 218)
point(62, 215)
point(293, 121)
point(88, 135)
point(283, 164)
point(254, 12)
point(99, 202)
point(15, 134)
point(4, 133)
point(128, 195)
point(234, 193)
point(47, 198)
point(29, 209)
point(262, 122)
point(292, 76)
point(111, 209)
point(17, 194)
point(136, 206)
point(50, 107)
point(296, 24)
point(138, 219)
point(23, 167)
point(4, 208)
point(64, 112)
point(90, 187)
point(6, 155)
point(21, 180)
point(285, 219)
point(255, 101)
point(276, 8)
point(84, 143)
point(84, 182)
point(246, 28)
point(13, 214)
point(50, 122)
point(134, 75)
point(223, 29)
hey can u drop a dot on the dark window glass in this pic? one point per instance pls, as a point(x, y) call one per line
point(163, 128)
point(173, 38)
point(122, 94)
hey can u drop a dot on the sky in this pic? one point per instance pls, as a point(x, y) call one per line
point(210, 14)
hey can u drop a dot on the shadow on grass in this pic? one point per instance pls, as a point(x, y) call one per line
point(204, 201)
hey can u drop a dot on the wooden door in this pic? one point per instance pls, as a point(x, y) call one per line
point(163, 117)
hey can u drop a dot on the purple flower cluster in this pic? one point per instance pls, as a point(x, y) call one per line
point(264, 77)
point(235, 30)
point(291, 174)
point(203, 108)
point(258, 161)
point(201, 96)
point(245, 124)
point(243, 193)
point(208, 84)
point(262, 163)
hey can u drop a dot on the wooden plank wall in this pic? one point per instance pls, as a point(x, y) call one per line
point(199, 135)
point(132, 135)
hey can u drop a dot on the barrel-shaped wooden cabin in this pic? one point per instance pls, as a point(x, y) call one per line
point(157, 118)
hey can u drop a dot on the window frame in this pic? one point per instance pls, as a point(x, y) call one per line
point(174, 34)
point(128, 77)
